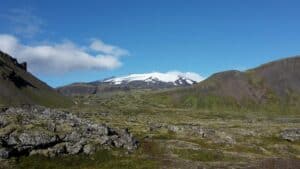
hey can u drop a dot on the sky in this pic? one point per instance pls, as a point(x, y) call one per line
point(89, 40)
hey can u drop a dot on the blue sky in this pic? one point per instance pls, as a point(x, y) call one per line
point(185, 35)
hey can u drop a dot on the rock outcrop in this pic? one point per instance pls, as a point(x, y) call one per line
point(39, 130)
point(291, 134)
point(216, 136)
point(19, 87)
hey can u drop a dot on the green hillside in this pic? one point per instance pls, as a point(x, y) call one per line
point(271, 87)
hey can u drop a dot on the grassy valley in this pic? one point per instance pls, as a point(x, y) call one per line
point(184, 138)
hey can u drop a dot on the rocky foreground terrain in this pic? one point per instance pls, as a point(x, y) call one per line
point(38, 137)
point(38, 130)
point(192, 138)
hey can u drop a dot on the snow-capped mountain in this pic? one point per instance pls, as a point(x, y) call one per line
point(176, 78)
point(153, 81)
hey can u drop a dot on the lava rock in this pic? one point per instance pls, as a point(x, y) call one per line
point(89, 149)
point(291, 134)
point(50, 132)
point(74, 148)
point(5, 153)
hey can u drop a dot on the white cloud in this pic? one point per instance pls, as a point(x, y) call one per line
point(99, 46)
point(24, 22)
point(61, 57)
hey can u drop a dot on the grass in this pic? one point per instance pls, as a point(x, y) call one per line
point(103, 159)
point(201, 155)
point(245, 149)
point(165, 135)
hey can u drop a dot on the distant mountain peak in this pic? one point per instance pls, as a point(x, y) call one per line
point(176, 78)
point(154, 81)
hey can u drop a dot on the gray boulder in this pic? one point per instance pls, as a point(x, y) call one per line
point(125, 140)
point(89, 149)
point(3, 122)
point(74, 148)
point(58, 149)
point(12, 140)
point(291, 134)
point(5, 153)
point(38, 139)
point(73, 137)
point(50, 132)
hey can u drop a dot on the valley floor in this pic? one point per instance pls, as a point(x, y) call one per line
point(182, 138)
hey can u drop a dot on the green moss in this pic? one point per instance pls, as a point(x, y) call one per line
point(165, 135)
point(254, 80)
point(272, 140)
point(201, 155)
point(47, 98)
point(245, 149)
point(151, 148)
point(101, 160)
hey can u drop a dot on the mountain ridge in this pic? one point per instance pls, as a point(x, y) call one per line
point(153, 81)
point(18, 86)
point(274, 86)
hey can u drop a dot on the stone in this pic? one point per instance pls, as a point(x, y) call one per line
point(3, 122)
point(12, 140)
point(37, 139)
point(89, 149)
point(54, 133)
point(103, 140)
point(51, 127)
point(291, 134)
point(73, 137)
point(43, 152)
point(5, 153)
point(23, 66)
point(58, 149)
point(126, 140)
point(117, 142)
point(74, 149)
point(173, 128)
point(154, 127)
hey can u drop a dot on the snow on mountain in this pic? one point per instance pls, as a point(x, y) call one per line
point(175, 77)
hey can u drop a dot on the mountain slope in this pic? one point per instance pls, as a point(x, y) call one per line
point(152, 81)
point(282, 76)
point(274, 86)
point(17, 86)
